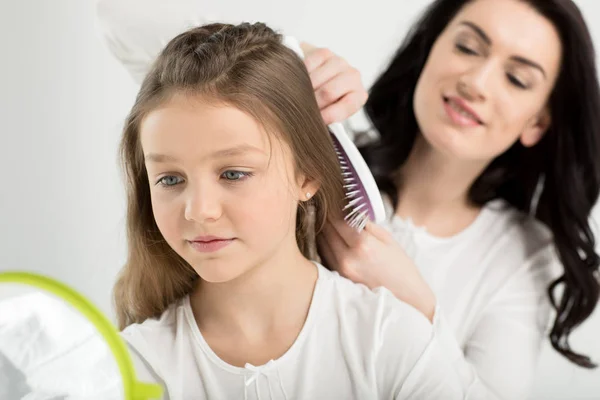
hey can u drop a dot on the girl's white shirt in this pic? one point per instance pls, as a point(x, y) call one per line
point(355, 344)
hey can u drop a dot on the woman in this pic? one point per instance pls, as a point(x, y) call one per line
point(485, 114)
point(490, 143)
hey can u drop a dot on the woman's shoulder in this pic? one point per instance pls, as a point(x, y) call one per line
point(520, 246)
point(517, 229)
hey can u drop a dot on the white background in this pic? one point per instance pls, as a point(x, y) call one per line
point(62, 102)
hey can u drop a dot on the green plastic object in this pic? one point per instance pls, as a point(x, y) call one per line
point(132, 388)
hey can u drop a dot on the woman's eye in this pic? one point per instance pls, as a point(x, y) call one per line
point(169, 181)
point(466, 50)
point(236, 175)
point(515, 81)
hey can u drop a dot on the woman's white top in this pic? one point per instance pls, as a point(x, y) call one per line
point(491, 284)
point(490, 280)
point(355, 344)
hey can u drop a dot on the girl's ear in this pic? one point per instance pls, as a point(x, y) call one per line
point(307, 188)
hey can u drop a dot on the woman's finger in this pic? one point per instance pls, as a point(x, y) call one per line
point(344, 108)
point(336, 88)
point(378, 232)
point(328, 70)
point(315, 57)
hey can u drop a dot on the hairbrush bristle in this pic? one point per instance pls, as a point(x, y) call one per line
point(356, 208)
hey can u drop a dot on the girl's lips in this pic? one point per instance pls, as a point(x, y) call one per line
point(208, 238)
point(211, 245)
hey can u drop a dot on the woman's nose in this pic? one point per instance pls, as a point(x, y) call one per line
point(474, 85)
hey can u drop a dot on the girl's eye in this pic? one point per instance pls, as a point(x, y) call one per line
point(236, 175)
point(169, 181)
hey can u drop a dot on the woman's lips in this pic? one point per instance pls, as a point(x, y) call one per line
point(459, 113)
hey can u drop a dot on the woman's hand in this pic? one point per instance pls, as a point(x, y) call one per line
point(374, 258)
point(338, 86)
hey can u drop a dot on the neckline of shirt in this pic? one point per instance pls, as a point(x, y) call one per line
point(421, 232)
point(294, 348)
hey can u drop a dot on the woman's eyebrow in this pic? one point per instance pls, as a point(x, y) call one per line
point(521, 60)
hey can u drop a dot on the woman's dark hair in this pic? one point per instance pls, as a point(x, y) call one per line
point(567, 158)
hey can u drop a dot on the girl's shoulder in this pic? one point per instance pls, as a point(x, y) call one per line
point(161, 332)
point(385, 334)
point(359, 308)
point(155, 344)
point(167, 320)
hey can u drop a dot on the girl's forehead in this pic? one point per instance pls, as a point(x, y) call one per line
point(181, 122)
point(195, 129)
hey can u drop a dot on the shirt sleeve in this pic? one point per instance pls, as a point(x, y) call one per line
point(144, 372)
point(499, 359)
point(135, 31)
point(410, 363)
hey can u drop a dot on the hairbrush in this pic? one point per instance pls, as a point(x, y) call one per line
point(363, 201)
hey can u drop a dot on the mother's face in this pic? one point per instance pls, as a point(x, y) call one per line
point(487, 80)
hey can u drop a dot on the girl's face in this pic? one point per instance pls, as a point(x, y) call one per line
point(224, 196)
point(487, 80)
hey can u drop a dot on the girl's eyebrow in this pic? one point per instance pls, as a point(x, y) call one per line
point(228, 152)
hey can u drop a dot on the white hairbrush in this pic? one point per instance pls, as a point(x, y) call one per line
point(363, 200)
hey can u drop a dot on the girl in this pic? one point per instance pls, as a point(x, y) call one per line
point(225, 152)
